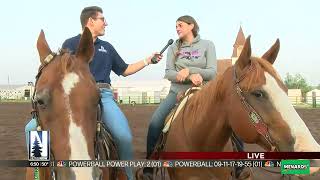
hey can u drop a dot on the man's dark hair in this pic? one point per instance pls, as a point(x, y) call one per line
point(89, 12)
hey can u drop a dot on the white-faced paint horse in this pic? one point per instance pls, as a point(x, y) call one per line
point(66, 99)
point(248, 99)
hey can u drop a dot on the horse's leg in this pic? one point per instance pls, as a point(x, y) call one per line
point(179, 174)
point(199, 174)
point(225, 173)
point(29, 173)
point(44, 173)
point(122, 175)
point(108, 174)
point(246, 173)
point(105, 174)
point(139, 174)
point(171, 173)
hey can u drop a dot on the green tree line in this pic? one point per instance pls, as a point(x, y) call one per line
point(297, 81)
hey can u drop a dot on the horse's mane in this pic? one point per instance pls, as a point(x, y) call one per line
point(66, 60)
point(214, 91)
point(268, 67)
point(260, 66)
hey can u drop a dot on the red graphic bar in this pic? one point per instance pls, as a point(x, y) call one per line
point(237, 155)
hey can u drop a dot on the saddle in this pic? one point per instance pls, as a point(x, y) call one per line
point(182, 99)
point(104, 145)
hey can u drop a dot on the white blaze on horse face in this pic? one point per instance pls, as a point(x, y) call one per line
point(78, 144)
point(279, 99)
point(79, 150)
point(69, 81)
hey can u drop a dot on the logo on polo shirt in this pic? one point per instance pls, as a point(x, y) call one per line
point(102, 49)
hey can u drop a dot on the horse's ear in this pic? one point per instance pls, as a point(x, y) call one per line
point(43, 47)
point(244, 58)
point(85, 48)
point(272, 53)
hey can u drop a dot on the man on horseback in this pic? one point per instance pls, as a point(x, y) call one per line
point(104, 60)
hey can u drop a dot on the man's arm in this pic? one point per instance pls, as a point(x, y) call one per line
point(135, 67)
point(171, 73)
point(121, 68)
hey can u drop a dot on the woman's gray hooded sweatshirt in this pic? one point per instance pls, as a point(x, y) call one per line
point(199, 57)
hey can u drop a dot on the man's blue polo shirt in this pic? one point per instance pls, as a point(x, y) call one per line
point(104, 60)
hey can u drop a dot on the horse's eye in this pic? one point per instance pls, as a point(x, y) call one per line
point(42, 98)
point(258, 94)
point(40, 102)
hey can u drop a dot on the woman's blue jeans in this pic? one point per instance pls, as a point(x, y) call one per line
point(157, 121)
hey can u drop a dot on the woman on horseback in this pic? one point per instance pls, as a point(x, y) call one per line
point(190, 61)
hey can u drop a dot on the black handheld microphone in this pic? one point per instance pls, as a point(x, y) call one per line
point(154, 58)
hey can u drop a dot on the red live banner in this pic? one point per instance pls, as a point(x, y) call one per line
point(238, 155)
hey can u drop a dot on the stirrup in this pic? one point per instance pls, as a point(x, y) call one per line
point(244, 173)
point(147, 176)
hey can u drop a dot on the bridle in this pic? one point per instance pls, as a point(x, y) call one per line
point(34, 102)
point(254, 117)
point(35, 112)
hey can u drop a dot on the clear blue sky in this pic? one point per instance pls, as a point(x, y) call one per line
point(137, 28)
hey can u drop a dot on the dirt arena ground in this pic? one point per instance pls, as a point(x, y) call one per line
point(14, 116)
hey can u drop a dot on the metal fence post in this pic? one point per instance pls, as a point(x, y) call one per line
point(314, 100)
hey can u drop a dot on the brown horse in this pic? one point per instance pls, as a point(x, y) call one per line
point(250, 88)
point(67, 99)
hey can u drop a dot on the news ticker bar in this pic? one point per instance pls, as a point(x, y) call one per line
point(237, 155)
point(148, 163)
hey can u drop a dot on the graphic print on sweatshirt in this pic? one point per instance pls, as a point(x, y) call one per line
point(190, 55)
